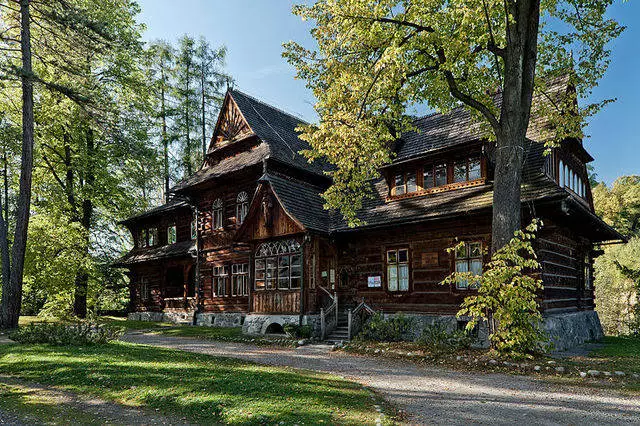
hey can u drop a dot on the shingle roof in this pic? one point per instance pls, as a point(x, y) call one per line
point(168, 206)
point(301, 200)
point(181, 249)
point(444, 130)
point(277, 129)
point(227, 165)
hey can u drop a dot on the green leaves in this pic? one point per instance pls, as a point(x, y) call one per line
point(507, 297)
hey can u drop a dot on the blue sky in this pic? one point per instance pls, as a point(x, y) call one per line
point(254, 30)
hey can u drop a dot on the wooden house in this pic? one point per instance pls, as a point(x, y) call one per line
point(246, 240)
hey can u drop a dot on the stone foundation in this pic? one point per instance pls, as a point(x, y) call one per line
point(258, 324)
point(224, 319)
point(172, 317)
point(571, 329)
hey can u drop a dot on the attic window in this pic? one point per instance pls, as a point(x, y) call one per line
point(217, 217)
point(569, 179)
point(242, 206)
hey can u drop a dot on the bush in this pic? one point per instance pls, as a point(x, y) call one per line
point(76, 334)
point(379, 329)
point(437, 339)
point(298, 331)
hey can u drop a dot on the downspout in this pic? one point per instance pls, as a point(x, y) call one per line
point(305, 240)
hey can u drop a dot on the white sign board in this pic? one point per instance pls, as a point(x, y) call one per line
point(375, 281)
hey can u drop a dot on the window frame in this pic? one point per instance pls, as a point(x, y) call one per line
point(220, 276)
point(397, 265)
point(217, 214)
point(242, 207)
point(194, 229)
point(239, 279)
point(173, 234)
point(152, 237)
point(281, 255)
point(468, 259)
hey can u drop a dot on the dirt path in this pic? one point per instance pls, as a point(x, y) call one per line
point(40, 404)
point(433, 395)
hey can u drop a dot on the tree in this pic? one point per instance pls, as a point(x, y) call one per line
point(617, 270)
point(376, 59)
point(186, 98)
point(58, 40)
point(211, 80)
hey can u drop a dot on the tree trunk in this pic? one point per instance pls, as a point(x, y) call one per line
point(204, 129)
point(520, 63)
point(4, 227)
point(12, 292)
point(82, 276)
point(187, 155)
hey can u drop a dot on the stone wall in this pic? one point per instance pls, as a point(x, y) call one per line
point(172, 317)
point(570, 329)
point(226, 319)
point(258, 324)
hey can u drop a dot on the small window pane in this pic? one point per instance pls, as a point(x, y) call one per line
point(412, 184)
point(474, 169)
point(399, 184)
point(428, 177)
point(461, 267)
point(194, 230)
point(461, 251)
point(441, 175)
point(460, 171)
point(392, 277)
point(392, 256)
point(404, 277)
point(403, 256)
point(476, 267)
point(475, 250)
point(295, 282)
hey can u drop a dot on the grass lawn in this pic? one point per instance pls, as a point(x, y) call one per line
point(201, 388)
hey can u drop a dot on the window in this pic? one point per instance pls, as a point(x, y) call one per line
point(142, 238)
point(467, 169)
point(398, 270)
point(240, 279)
point(441, 174)
point(460, 169)
point(469, 259)
point(399, 185)
point(242, 206)
point(220, 278)
point(217, 214)
point(145, 294)
point(568, 178)
point(427, 177)
point(412, 183)
point(171, 234)
point(152, 237)
point(194, 230)
point(278, 264)
point(475, 171)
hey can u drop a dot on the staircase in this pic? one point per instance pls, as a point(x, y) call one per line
point(341, 331)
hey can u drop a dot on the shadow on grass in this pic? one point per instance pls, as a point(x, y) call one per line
point(203, 388)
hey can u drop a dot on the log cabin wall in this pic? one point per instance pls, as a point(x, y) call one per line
point(566, 269)
point(363, 255)
point(218, 250)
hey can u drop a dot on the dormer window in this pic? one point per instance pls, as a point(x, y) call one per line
point(217, 217)
point(466, 170)
point(571, 180)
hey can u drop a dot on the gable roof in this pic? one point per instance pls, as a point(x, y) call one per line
point(277, 129)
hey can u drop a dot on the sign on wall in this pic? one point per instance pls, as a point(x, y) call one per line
point(430, 259)
point(374, 281)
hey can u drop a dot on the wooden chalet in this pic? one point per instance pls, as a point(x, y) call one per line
point(246, 240)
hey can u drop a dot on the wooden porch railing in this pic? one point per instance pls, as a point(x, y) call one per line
point(329, 317)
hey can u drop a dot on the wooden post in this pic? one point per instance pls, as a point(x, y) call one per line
point(349, 325)
point(335, 298)
point(322, 324)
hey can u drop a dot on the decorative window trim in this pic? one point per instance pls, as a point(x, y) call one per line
point(220, 280)
point(465, 259)
point(172, 234)
point(217, 214)
point(242, 207)
point(278, 265)
point(398, 270)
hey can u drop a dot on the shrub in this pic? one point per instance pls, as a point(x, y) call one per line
point(437, 339)
point(298, 331)
point(507, 297)
point(80, 333)
point(379, 329)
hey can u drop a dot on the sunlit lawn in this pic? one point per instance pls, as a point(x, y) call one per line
point(202, 388)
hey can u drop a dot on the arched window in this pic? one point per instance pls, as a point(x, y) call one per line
point(278, 264)
point(561, 173)
point(217, 216)
point(242, 206)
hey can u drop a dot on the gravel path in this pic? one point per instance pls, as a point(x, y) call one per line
point(433, 395)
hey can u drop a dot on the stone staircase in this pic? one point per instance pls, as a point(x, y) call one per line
point(341, 332)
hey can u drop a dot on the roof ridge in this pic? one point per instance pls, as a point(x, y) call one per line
point(273, 107)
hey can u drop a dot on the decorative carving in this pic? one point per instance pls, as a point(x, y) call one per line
point(232, 124)
point(267, 210)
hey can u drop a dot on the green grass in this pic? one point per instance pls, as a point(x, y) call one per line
point(202, 388)
point(618, 353)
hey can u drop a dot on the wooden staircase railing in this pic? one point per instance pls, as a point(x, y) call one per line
point(329, 317)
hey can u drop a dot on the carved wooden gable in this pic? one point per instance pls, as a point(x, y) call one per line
point(231, 123)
